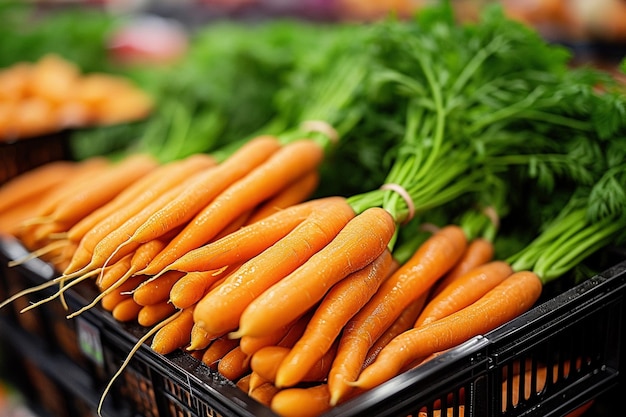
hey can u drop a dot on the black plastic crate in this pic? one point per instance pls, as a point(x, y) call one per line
point(575, 334)
point(78, 339)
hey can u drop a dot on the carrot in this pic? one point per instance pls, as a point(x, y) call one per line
point(463, 291)
point(220, 309)
point(479, 251)
point(156, 291)
point(338, 306)
point(84, 171)
point(431, 260)
point(154, 183)
point(405, 321)
point(192, 201)
point(46, 232)
point(111, 274)
point(285, 336)
point(217, 349)
point(234, 364)
point(251, 344)
point(175, 334)
point(124, 269)
point(120, 294)
point(29, 185)
point(266, 362)
point(13, 217)
point(513, 296)
point(255, 380)
point(302, 402)
point(247, 242)
point(179, 204)
point(264, 393)
point(152, 314)
point(175, 178)
point(293, 194)
point(103, 188)
point(268, 179)
point(244, 383)
point(359, 243)
point(233, 226)
point(126, 310)
point(192, 286)
point(199, 339)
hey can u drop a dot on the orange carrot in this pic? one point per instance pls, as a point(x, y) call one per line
point(251, 344)
point(285, 336)
point(156, 291)
point(255, 380)
point(30, 184)
point(192, 286)
point(342, 302)
point(513, 296)
point(479, 251)
point(430, 261)
point(175, 334)
point(199, 338)
point(220, 309)
point(103, 188)
point(302, 402)
point(267, 361)
point(217, 349)
point(296, 193)
point(125, 268)
point(179, 204)
point(247, 242)
point(154, 183)
point(13, 217)
point(268, 179)
point(152, 314)
point(175, 178)
point(120, 294)
point(113, 273)
point(359, 243)
point(405, 321)
point(463, 291)
point(244, 383)
point(264, 393)
point(234, 364)
point(233, 226)
point(84, 172)
point(126, 310)
point(190, 205)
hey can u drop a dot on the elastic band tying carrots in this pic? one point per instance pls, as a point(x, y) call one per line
point(321, 127)
point(405, 196)
point(490, 212)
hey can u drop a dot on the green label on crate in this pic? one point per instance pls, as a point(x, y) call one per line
point(89, 340)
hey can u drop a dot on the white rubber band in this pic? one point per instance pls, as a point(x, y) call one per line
point(405, 196)
point(321, 127)
point(490, 212)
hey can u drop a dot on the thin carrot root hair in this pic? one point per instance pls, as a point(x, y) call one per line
point(63, 286)
point(132, 352)
point(102, 294)
point(31, 290)
point(37, 253)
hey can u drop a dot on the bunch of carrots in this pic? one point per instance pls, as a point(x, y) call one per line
point(307, 299)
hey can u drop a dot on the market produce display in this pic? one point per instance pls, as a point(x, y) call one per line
point(487, 169)
point(53, 94)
